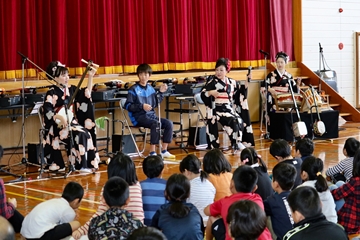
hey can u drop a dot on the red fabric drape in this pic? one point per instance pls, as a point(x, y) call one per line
point(281, 28)
point(120, 34)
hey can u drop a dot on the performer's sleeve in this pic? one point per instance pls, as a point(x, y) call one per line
point(132, 104)
point(48, 108)
point(84, 108)
point(207, 99)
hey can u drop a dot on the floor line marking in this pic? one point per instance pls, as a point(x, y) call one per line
point(43, 200)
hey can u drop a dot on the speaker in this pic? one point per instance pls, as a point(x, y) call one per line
point(34, 152)
point(200, 138)
point(128, 145)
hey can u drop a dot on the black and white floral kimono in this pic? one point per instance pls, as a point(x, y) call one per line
point(230, 109)
point(84, 153)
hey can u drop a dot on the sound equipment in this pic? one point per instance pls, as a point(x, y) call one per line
point(33, 152)
point(125, 141)
point(9, 100)
point(31, 98)
point(200, 138)
point(103, 94)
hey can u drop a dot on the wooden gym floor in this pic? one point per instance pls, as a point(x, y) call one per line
point(32, 189)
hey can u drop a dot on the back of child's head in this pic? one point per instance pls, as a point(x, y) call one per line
point(144, 68)
point(146, 233)
point(245, 179)
point(192, 164)
point(305, 147)
point(280, 148)
point(285, 175)
point(351, 146)
point(177, 191)
point(153, 166)
point(215, 162)
point(249, 156)
point(246, 220)
point(314, 166)
point(306, 201)
point(72, 191)
point(6, 229)
point(356, 164)
point(116, 192)
point(122, 166)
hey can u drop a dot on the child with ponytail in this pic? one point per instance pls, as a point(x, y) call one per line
point(202, 192)
point(178, 219)
point(311, 174)
point(250, 157)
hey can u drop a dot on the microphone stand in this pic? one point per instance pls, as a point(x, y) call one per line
point(321, 58)
point(24, 160)
point(266, 134)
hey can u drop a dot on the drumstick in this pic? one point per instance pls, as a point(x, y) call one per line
point(94, 64)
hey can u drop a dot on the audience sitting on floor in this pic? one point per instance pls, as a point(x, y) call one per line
point(343, 170)
point(276, 206)
point(54, 218)
point(147, 233)
point(250, 157)
point(243, 185)
point(281, 151)
point(310, 223)
point(178, 219)
point(116, 222)
point(202, 192)
point(219, 169)
point(153, 187)
point(304, 148)
point(121, 165)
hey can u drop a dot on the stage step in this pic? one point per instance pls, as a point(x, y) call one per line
point(344, 114)
point(333, 105)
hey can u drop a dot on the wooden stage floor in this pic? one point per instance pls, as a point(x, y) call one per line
point(31, 191)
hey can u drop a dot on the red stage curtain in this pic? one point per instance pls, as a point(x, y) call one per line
point(120, 34)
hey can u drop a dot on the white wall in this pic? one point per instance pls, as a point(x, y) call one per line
point(323, 23)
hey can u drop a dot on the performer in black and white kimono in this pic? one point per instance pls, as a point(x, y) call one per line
point(226, 103)
point(83, 154)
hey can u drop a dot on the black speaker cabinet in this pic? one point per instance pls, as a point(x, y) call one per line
point(200, 138)
point(34, 153)
point(128, 145)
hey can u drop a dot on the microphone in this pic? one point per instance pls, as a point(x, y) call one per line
point(320, 47)
point(263, 52)
point(249, 72)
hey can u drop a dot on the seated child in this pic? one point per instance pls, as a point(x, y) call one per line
point(202, 192)
point(153, 187)
point(349, 214)
point(281, 151)
point(178, 219)
point(343, 170)
point(219, 170)
point(121, 165)
point(8, 206)
point(276, 206)
point(147, 233)
point(246, 220)
point(250, 157)
point(311, 169)
point(243, 185)
point(310, 223)
point(116, 222)
point(304, 148)
point(54, 218)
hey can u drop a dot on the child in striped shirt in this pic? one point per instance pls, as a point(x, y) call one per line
point(153, 187)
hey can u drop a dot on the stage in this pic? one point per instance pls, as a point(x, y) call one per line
point(281, 124)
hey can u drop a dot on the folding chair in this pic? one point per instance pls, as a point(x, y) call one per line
point(125, 125)
point(200, 118)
